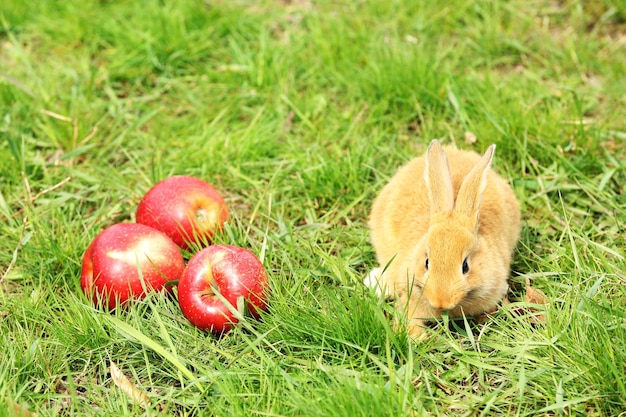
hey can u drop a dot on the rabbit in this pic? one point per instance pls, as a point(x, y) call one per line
point(444, 229)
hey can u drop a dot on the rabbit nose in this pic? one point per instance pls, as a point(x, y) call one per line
point(442, 305)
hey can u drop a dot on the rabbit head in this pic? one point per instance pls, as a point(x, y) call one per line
point(448, 277)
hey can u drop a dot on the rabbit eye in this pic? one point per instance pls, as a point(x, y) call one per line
point(426, 264)
point(465, 267)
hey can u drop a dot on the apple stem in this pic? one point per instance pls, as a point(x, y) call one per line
point(209, 292)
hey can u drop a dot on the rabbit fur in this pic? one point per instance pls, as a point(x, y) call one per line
point(444, 229)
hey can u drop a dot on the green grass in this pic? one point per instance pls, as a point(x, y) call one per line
point(299, 112)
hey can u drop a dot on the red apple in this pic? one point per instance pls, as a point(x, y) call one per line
point(187, 209)
point(214, 282)
point(126, 261)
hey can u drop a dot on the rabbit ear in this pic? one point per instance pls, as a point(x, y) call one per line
point(438, 179)
point(473, 185)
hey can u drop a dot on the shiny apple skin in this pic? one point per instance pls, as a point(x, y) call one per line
point(231, 271)
point(112, 263)
point(187, 209)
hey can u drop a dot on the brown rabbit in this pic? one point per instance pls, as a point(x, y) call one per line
point(444, 229)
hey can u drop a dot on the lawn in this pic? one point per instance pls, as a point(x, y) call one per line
point(299, 112)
